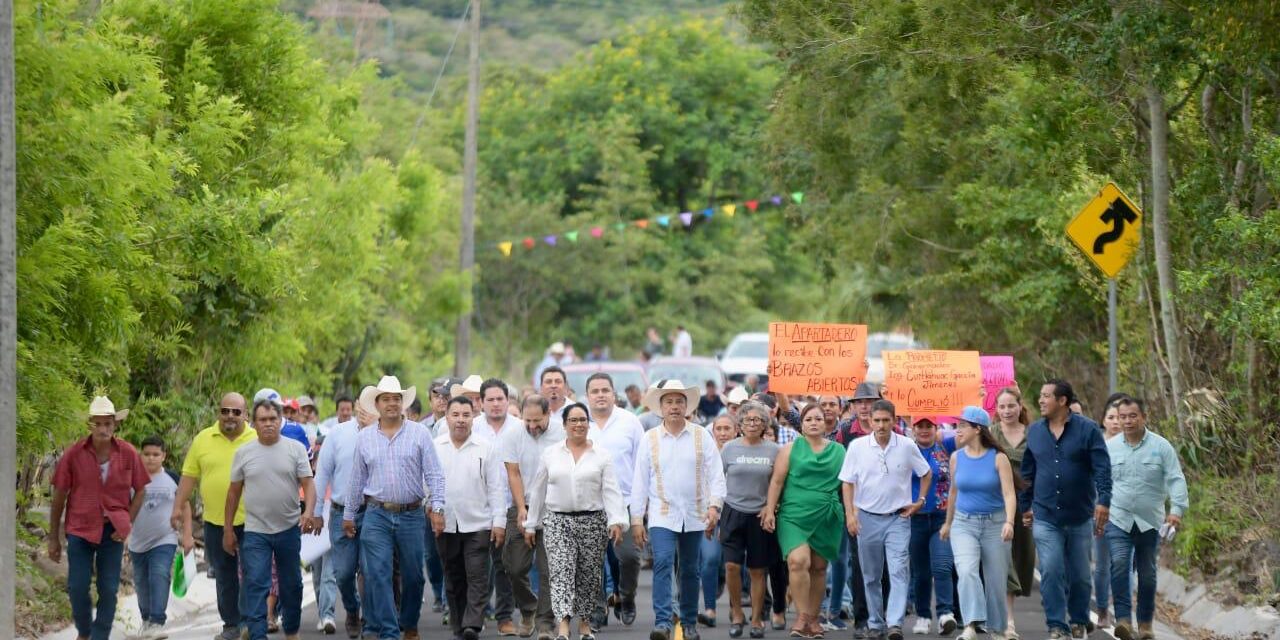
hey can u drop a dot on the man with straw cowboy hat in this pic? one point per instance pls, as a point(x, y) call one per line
point(92, 487)
point(394, 460)
point(679, 484)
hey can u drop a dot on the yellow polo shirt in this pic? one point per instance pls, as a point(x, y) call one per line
point(209, 461)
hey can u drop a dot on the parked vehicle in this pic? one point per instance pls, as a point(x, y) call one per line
point(878, 342)
point(747, 354)
point(691, 371)
point(623, 374)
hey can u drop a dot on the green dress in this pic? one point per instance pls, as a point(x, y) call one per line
point(810, 511)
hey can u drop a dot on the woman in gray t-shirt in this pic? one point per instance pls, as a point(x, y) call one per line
point(748, 466)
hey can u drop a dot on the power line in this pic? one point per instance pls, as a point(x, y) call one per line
point(462, 22)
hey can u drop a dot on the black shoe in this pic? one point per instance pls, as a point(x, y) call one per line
point(860, 632)
point(470, 634)
point(895, 633)
point(615, 604)
point(706, 620)
point(437, 606)
point(735, 629)
point(628, 612)
point(657, 634)
point(598, 619)
point(757, 632)
point(691, 632)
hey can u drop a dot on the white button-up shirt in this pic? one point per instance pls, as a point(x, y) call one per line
point(480, 427)
point(621, 436)
point(333, 472)
point(670, 497)
point(553, 415)
point(881, 476)
point(563, 484)
point(475, 494)
point(525, 451)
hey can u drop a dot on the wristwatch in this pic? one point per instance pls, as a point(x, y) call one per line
point(437, 510)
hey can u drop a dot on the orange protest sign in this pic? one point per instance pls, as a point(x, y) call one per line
point(932, 382)
point(812, 358)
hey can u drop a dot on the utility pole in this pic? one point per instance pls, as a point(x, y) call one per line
point(470, 159)
point(8, 324)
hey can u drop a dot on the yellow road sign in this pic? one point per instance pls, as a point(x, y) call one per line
point(1107, 230)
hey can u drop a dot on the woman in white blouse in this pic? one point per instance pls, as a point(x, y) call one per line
point(576, 499)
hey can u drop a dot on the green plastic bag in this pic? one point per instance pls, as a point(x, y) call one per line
point(184, 570)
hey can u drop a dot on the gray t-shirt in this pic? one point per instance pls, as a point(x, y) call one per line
point(151, 528)
point(271, 477)
point(747, 469)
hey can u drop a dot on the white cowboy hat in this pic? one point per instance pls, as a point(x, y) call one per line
point(557, 348)
point(737, 395)
point(470, 385)
point(653, 397)
point(388, 384)
point(102, 406)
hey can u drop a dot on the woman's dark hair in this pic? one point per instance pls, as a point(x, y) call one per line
point(1023, 418)
point(564, 413)
point(808, 408)
point(1113, 400)
point(988, 440)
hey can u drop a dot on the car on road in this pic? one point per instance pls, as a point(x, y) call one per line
point(691, 371)
point(879, 342)
point(623, 374)
point(747, 354)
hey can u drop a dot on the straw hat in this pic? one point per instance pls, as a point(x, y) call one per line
point(388, 384)
point(102, 406)
point(653, 397)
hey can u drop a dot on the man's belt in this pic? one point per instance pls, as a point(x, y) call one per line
point(339, 508)
point(393, 507)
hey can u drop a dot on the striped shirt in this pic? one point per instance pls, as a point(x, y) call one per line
point(395, 469)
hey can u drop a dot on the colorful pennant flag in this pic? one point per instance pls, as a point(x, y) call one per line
point(687, 218)
point(571, 236)
point(728, 210)
point(776, 200)
point(753, 205)
point(798, 197)
point(663, 221)
point(528, 243)
point(643, 224)
point(596, 232)
point(619, 226)
point(505, 248)
point(551, 240)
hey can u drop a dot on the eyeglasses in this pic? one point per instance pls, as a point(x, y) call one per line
point(228, 411)
point(754, 420)
point(577, 421)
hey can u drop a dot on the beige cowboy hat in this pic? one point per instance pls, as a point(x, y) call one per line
point(653, 397)
point(470, 385)
point(737, 395)
point(102, 406)
point(388, 384)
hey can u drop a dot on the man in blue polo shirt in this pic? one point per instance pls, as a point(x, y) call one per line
point(1068, 476)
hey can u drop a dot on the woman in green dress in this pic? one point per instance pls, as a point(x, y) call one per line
point(809, 522)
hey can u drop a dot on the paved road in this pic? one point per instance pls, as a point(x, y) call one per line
point(203, 623)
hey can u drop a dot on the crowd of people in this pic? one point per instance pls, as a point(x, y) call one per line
point(548, 504)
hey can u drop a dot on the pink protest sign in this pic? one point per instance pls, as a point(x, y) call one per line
point(997, 373)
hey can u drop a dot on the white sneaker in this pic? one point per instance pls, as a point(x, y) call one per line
point(329, 626)
point(969, 633)
point(922, 627)
point(946, 624)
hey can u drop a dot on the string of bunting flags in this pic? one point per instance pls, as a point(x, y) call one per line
point(685, 218)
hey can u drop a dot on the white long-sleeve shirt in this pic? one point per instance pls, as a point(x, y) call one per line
point(678, 490)
point(333, 472)
point(563, 484)
point(621, 435)
point(475, 496)
point(525, 451)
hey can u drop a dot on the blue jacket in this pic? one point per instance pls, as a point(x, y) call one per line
point(1068, 476)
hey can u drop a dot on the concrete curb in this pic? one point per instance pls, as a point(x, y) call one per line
point(1200, 611)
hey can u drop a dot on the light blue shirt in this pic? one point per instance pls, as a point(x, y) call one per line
point(1142, 477)
point(334, 470)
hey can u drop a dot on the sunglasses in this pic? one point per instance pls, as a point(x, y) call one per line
point(227, 411)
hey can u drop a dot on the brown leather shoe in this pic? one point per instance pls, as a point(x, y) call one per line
point(410, 634)
point(1145, 632)
point(526, 627)
point(506, 628)
point(353, 625)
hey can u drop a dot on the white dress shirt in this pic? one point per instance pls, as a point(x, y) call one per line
point(525, 451)
point(563, 484)
point(333, 472)
point(621, 436)
point(683, 347)
point(675, 505)
point(475, 487)
point(553, 415)
point(480, 427)
point(881, 476)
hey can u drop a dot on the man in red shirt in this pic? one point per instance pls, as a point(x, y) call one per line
point(91, 487)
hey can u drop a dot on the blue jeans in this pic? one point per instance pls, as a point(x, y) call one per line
point(325, 585)
point(382, 534)
point(342, 557)
point(976, 543)
point(226, 575)
point(667, 546)
point(838, 579)
point(152, 575)
point(1101, 573)
point(1063, 552)
point(711, 569)
point(256, 553)
point(884, 540)
point(435, 568)
point(84, 560)
point(931, 563)
point(1143, 549)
